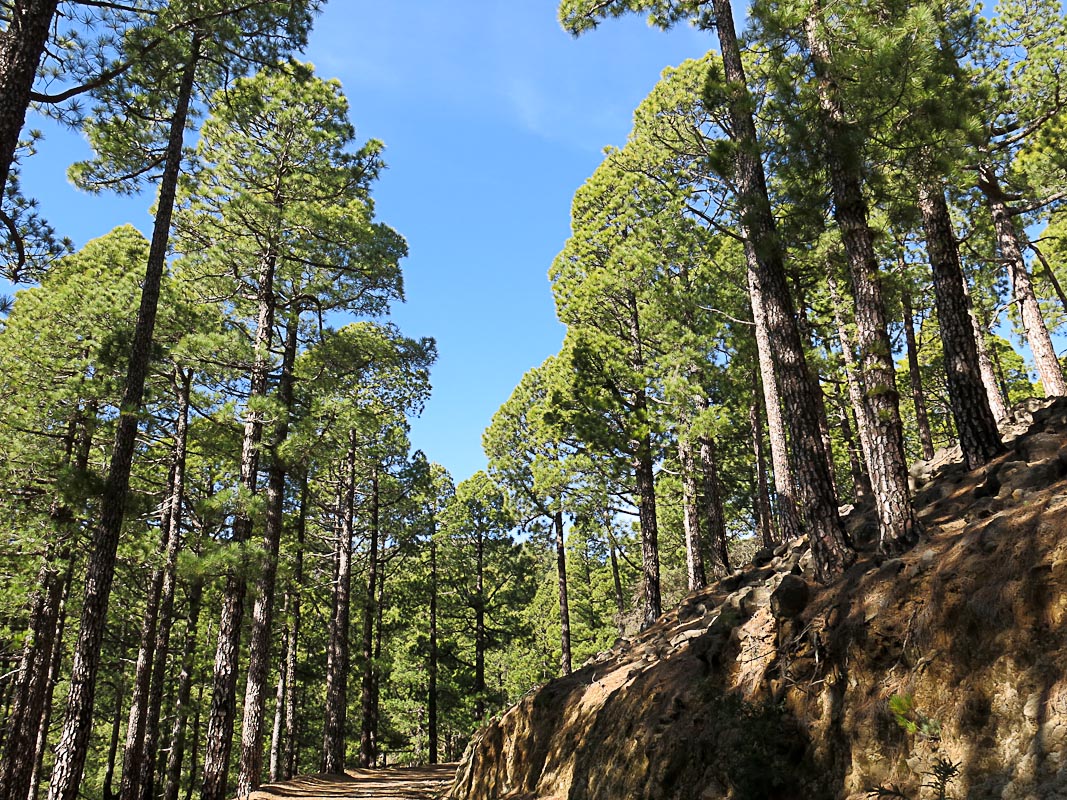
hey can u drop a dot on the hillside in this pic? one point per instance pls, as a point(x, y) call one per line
point(767, 685)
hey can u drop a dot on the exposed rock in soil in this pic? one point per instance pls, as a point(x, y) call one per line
point(759, 688)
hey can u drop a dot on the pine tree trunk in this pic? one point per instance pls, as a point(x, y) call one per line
point(31, 682)
point(975, 424)
point(694, 551)
point(764, 521)
point(922, 419)
point(227, 654)
point(644, 478)
point(369, 721)
point(481, 643)
point(333, 747)
point(564, 604)
point(898, 526)
point(74, 741)
point(431, 700)
point(788, 515)
point(294, 632)
point(711, 506)
point(21, 47)
point(251, 762)
point(616, 579)
point(54, 670)
point(195, 751)
point(853, 379)
point(113, 746)
point(183, 385)
point(133, 751)
point(861, 486)
point(815, 496)
point(142, 726)
point(279, 700)
point(644, 473)
point(181, 703)
point(1011, 252)
point(994, 389)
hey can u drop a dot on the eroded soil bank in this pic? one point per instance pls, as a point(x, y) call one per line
point(767, 685)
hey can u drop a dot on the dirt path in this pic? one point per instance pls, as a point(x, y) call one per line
point(401, 783)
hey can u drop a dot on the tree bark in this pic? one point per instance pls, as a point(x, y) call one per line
point(789, 525)
point(993, 384)
point(54, 670)
point(1010, 244)
point(640, 447)
point(694, 550)
point(975, 423)
point(251, 763)
point(181, 703)
point(853, 379)
point(369, 721)
point(21, 47)
point(294, 631)
point(564, 603)
point(333, 747)
point(227, 654)
point(113, 745)
point(31, 682)
point(481, 643)
point(922, 419)
point(274, 772)
point(764, 521)
point(898, 526)
point(183, 381)
point(74, 741)
point(431, 700)
point(711, 507)
point(815, 496)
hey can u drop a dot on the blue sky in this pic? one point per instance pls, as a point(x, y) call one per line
point(492, 116)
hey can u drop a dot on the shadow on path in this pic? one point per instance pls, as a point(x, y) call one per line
point(400, 783)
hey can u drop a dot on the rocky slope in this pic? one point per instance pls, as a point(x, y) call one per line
point(767, 685)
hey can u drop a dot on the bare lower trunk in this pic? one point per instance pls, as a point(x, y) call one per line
point(181, 702)
point(645, 477)
point(251, 762)
point(898, 526)
point(31, 681)
point(368, 724)
point(853, 380)
point(54, 670)
point(861, 486)
point(279, 702)
point(113, 745)
point(711, 507)
point(333, 747)
point(922, 419)
point(227, 654)
point(694, 550)
point(998, 402)
point(975, 424)
point(1009, 241)
point(788, 514)
point(294, 633)
point(764, 521)
point(431, 701)
point(564, 604)
point(147, 694)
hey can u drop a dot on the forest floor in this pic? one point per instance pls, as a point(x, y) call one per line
point(399, 783)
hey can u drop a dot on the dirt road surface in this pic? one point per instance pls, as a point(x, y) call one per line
point(401, 783)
